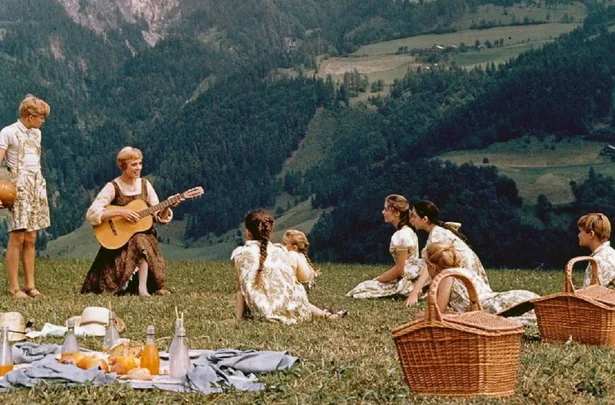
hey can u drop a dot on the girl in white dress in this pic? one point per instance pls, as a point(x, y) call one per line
point(296, 244)
point(265, 280)
point(425, 215)
point(404, 248)
point(452, 294)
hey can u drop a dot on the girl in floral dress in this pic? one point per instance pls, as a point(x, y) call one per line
point(266, 284)
point(404, 246)
point(452, 294)
point(425, 215)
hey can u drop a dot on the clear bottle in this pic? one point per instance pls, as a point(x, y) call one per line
point(112, 334)
point(6, 356)
point(178, 324)
point(70, 344)
point(179, 359)
point(150, 359)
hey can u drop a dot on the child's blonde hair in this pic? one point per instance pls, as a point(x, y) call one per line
point(32, 105)
point(596, 222)
point(442, 255)
point(297, 238)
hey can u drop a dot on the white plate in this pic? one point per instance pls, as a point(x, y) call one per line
point(192, 353)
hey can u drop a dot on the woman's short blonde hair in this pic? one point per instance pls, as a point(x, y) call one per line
point(596, 222)
point(32, 105)
point(126, 154)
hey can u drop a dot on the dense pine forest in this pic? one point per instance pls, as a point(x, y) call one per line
point(207, 107)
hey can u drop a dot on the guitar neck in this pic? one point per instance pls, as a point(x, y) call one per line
point(158, 207)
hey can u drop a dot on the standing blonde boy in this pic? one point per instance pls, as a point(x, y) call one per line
point(594, 233)
point(20, 145)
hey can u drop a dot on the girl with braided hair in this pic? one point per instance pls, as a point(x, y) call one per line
point(296, 244)
point(404, 248)
point(265, 280)
point(425, 215)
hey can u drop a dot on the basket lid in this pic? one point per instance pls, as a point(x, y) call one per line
point(474, 321)
point(593, 293)
point(598, 293)
point(484, 321)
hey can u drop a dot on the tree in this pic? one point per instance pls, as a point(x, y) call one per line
point(544, 209)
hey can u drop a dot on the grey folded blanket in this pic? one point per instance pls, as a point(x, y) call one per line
point(211, 372)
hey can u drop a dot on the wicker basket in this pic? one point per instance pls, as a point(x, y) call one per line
point(585, 315)
point(463, 355)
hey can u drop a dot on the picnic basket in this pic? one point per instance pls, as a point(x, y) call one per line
point(584, 315)
point(469, 354)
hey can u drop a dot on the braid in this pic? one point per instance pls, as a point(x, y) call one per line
point(304, 252)
point(261, 262)
point(260, 225)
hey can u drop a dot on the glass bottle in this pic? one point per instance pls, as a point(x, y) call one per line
point(112, 334)
point(70, 344)
point(178, 324)
point(179, 359)
point(150, 359)
point(6, 356)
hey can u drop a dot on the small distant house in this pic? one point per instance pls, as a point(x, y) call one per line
point(608, 150)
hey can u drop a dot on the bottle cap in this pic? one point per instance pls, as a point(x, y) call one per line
point(70, 323)
point(150, 330)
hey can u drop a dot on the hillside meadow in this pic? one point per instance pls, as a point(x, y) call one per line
point(349, 361)
point(541, 165)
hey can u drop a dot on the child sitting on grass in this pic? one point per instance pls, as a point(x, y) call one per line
point(296, 243)
point(265, 281)
point(594, 233)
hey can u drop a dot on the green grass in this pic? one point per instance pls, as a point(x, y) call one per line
point(352, 360)
point(541, 167)
point(498, 55)
point(512, 36)
point(505, 15)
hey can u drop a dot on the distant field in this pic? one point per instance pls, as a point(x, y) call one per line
point(512, 36)
point(498, 56)
point(537, 167)
point(517, 12)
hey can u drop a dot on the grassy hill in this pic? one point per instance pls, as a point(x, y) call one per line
point(541, 166)
point(541, 25)
point(353, 360)
point(81, 243)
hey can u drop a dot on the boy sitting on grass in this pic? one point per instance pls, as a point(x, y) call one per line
point(594, 233)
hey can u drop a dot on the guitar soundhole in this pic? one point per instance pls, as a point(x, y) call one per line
point(113, 228)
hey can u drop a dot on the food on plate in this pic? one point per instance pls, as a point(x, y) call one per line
point(140, 374)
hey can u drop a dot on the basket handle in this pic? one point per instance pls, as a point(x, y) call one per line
point(568, 286)
point(433, 312)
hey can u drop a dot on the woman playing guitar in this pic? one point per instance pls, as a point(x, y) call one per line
point(113, 269)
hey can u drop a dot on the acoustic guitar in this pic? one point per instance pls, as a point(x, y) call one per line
point(113, 233)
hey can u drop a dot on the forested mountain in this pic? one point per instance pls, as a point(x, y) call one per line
point(193, 84)
point(561, 89)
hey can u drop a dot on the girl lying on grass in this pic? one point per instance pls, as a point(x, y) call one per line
point(452, 294)
point(265, 279)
